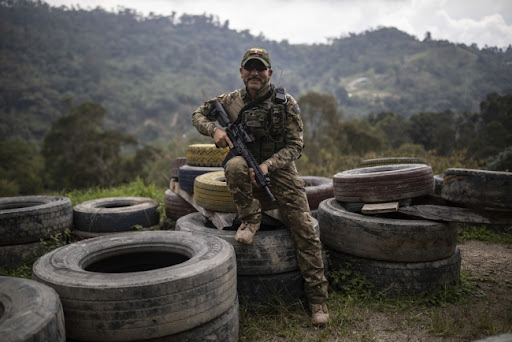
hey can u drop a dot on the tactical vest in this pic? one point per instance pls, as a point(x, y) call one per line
point(266, 121)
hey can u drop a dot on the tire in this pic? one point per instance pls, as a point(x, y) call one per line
point(140, 285)
point(187, 175)
point(272, 252)
point(383, 183)
point(391, 161)
point(400, 279)
point(483, 189)
point(30, 311)
point(81, 235)
point(176, 164)
point(224, 328)
point(381, 238)
point(438, 184)
point(175, 206)
point(206, 155)
point(26, 219)
point(115, 214)
point(317, 189)
point(211, 192)
point(261, 289)
point(17, 255)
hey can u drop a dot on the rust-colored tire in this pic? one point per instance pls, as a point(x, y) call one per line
point(175, 206)
point(383, 183)
point(317, 190)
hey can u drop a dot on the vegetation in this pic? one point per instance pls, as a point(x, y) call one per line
point(150, 72)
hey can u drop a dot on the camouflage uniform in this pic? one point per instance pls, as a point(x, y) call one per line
point(279, 153)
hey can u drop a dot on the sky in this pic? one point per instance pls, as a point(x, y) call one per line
point(482, 22)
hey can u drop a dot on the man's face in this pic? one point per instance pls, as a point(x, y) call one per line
point(255, 74)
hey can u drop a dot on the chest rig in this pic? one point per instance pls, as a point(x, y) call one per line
point(266, 122)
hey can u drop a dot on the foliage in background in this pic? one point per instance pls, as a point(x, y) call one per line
point(150, 72)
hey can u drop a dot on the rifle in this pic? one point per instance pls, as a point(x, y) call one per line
point(240, 138)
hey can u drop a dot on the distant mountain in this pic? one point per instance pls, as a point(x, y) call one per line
point(151, 72)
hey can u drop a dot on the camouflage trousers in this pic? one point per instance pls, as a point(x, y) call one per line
point(288, 189)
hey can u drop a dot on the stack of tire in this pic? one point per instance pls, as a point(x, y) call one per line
point(267, 270)
point(111, 215)
point(146, 285)
point(25, 221)
point(200, 159)
point(397, 254)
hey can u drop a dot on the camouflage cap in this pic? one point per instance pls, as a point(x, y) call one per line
point(257, 53)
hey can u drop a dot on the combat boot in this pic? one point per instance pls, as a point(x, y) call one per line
point(246, 231)
point(319, 314)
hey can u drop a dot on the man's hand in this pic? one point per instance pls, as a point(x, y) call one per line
point(264, 170)
point(221, 138)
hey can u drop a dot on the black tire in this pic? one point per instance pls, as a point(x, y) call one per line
point(223, 329)
point(140, 285)
point(16, 255)
point(272, 252)
point(187, 175)
point(383, 183)
point(391, 161)
point(380, 238)
point(175, 206)
point(438, 184)
point(496, 338)
point(30, 311)
point(483, 189)
point(115, 214)
point(317, 189)
point(25, 219)
point(393, 278)
point(206, 155)
point(259, 289)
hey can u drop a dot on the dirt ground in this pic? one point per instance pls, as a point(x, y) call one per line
point(488, 268)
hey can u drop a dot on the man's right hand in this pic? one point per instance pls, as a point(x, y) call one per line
point(221, 138)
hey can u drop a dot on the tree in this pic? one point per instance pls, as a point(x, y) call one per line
point(79, 154)
point(394, 126)
point(21, 167)
point(434, 131)
point(496, 132)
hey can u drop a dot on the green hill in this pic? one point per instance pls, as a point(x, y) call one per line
point(151, 72)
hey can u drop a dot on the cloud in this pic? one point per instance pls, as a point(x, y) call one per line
point(314, 21)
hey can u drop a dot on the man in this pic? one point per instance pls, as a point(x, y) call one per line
point(273, 118)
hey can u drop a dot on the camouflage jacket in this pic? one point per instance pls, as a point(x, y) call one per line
point(234, 101)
